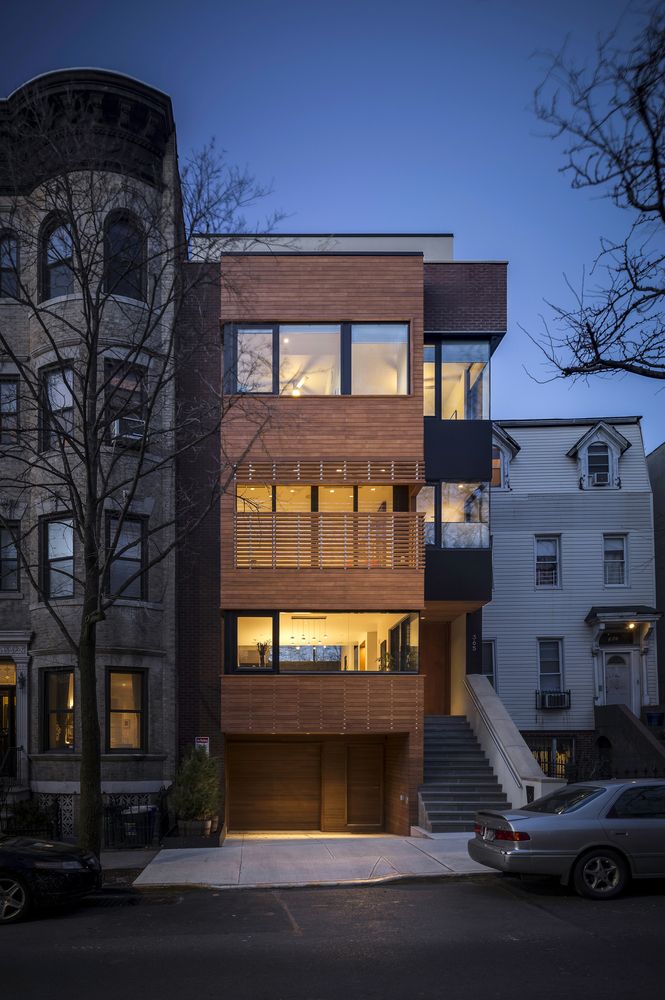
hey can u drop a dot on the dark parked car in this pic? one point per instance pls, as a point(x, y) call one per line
point(597, 835)
point(37, 873)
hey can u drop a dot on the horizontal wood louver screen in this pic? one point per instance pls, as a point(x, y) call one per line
point(274, 786)
point(369, 471)
point(364, 785)
point(329, 540)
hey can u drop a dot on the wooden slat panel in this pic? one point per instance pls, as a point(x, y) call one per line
point(333, 791)
point(274, 786)
point(364, 785)
point(376, 470)
point(329, 540)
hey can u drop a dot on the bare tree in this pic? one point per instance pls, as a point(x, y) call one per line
point(95, 262)
point(612, 117)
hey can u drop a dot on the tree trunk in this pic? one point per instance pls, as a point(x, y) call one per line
point(90, 818)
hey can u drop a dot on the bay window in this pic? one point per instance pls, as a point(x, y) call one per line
point(58, 701)
point(125, 705)
point(58, 562)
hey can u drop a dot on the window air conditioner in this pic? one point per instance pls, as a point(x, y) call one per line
point(128, 429)
point(600, 478)
point(552, 699)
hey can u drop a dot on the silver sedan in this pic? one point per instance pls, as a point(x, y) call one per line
point(597, 835)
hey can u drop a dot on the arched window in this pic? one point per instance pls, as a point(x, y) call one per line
point(57, 261)
point(8, 266)
point(124, 258)
point(598, 464)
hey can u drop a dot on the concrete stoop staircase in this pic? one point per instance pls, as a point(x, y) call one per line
point(458, 779)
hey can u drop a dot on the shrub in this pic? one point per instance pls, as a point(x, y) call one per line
point(196, 792)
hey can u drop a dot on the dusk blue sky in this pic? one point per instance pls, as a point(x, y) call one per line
point(379, 117)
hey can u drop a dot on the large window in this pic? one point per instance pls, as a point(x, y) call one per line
point(58, 563)
point(127, 575)
point(323, 642)
point(614, 560)
point(426, 504)
point(548, 573)
point(465, 380)
point(57, 261)
point(58, 409)
point(58, 710)
point(464, 515)
point(125, 710)
point(549, 658)
point(8, 410)
point(9, 578)
point(319, 359)
point(8, 266)
point(456, 380)
point(379, 359)
point(124, 258)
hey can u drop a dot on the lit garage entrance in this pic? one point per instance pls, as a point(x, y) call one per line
point(328, 783)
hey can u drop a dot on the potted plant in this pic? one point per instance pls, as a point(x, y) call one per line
point(196, 793)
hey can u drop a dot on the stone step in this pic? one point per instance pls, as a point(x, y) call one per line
point(460, 788)
point(448, 815)
point(462, 796)
point(451, 826)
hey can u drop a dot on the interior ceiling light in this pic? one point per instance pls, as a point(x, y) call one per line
point(631, 624)
point(295, 392)
point(285, 340)
point(338, 470)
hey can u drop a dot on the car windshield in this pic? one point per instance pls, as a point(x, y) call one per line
point(566, 800)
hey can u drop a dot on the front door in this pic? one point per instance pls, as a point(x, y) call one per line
point(619, 680)
point(7, 730)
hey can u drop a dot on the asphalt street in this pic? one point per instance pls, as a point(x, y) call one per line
point(484, 936)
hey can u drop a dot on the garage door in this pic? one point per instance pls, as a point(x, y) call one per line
point(274, 786)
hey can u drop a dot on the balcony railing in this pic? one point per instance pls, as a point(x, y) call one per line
point(329, 540)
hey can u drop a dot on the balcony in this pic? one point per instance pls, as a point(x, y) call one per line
point(329, 540)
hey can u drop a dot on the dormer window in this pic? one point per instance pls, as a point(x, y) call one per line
point(598, 454)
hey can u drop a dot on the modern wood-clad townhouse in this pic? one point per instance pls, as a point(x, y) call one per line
point(353, 540)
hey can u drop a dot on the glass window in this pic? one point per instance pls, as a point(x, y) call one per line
point(488, 660)
point(125, 710)
point(309, 358)
point(8, 266)
point(59, 710)
point(9, 579)
point(8, 410)
point(254, 642)
point(379, 359)
point(598, 462)
point(58, 272)
point(336, 498)
point(426, 504)
point(297, 499)
point(464, 515)
point(128, 559)
point(644, 802)
point(322, 642)
point(429, 380)
point(59, 562)
point(465, 380)
point(125, 399)
point(59, 406)
point(547, 561)
point(614, 560)
point(497, 471)
point(254, 368)
point(253, 499)
point(124, 259)
point(375, 499)
point(549, 654)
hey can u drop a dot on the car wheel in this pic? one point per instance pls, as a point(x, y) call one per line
point(14, 899)
point(600, 874)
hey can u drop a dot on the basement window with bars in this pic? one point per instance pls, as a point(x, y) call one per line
point(555, 754)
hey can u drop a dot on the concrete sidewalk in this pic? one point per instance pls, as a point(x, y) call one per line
point(299, 859)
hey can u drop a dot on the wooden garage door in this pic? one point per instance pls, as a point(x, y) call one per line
point(364, 785)
point(274, 786)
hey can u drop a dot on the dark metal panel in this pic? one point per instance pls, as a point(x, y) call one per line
point(458, 449)
point(458, 574)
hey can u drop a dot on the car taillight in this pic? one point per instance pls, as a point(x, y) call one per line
point(510, 835)
point(477, 828)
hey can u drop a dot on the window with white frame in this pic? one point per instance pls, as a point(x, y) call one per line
point(614, 560)
point(549, 664)
point(548, 570)
point(598, 464)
